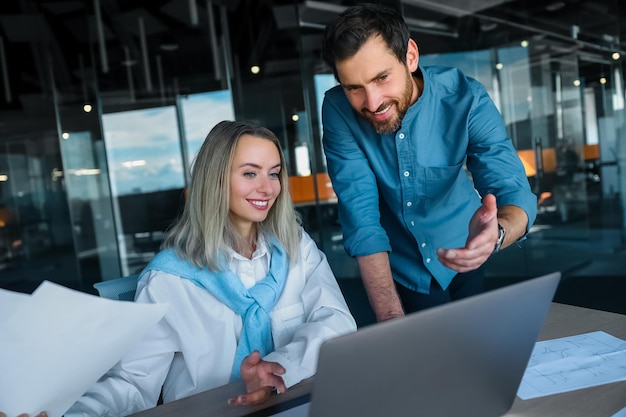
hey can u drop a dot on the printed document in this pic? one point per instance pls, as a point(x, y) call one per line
point(575, 362)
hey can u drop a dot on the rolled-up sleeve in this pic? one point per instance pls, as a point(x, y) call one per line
point(352, 177)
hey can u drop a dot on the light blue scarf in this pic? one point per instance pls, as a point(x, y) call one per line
point(253, 305)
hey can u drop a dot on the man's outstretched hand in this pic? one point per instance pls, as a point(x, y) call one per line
point(483, 234)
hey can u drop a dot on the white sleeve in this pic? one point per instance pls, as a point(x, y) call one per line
point(325, 315)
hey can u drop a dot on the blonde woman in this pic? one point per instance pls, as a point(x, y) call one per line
point(251, 296)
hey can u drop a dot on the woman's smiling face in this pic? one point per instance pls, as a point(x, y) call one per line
point(254, 182)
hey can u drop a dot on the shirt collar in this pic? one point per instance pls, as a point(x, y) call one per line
point(260, 252)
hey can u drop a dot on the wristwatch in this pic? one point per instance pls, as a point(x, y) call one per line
point(500, 241)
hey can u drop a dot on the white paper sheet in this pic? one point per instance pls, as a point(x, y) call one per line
point(9, 301)
point(572, 363)
point(57, 342)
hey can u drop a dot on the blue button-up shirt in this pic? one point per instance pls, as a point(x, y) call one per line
point(415, 190)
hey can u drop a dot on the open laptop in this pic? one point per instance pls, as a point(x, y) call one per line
point(465, 358)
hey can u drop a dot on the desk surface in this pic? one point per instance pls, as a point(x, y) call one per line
point(563, 320)
point(601, 401)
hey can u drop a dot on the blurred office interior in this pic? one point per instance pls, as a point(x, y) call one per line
point(104, 103)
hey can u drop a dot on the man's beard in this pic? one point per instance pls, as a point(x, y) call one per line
point(389, 125)
point(393, 123)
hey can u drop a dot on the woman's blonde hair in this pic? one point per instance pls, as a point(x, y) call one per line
point(203, 233)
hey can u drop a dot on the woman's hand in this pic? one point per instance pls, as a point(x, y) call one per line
point(261, 379)
point(42, 414)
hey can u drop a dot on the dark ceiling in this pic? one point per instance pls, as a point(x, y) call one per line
point(76, 42)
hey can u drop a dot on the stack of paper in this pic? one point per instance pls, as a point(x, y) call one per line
point(57, 342)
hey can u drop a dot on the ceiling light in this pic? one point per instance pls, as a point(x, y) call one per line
point(168, 47)
point(554, 6)
point(255, 69)
point(487, 26)
point(168, 43)
point(615, 56)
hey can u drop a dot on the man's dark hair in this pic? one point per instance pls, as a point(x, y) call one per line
point(344, 36)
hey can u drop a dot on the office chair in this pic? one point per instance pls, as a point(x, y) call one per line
point(119, 288)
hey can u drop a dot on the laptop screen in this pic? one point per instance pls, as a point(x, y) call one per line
point(463, 358)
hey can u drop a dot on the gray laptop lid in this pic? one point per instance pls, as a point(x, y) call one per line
point(465, 358)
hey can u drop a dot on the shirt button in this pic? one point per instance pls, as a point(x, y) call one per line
point(427, 260)
point(412, 223)
point(406, 173)
point(401, 135)
point(409, 204)
point(423, 245)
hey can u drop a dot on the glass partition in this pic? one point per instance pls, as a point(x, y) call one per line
point(149, 163)
point(88, 193)
point(200, 112)
point(102, 118)
point(147, 181)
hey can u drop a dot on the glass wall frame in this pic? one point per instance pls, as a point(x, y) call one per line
point(541, 89)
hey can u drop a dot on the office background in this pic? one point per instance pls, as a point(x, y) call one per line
point(104, 102)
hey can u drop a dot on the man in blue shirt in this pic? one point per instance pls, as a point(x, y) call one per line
point(429, 184)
